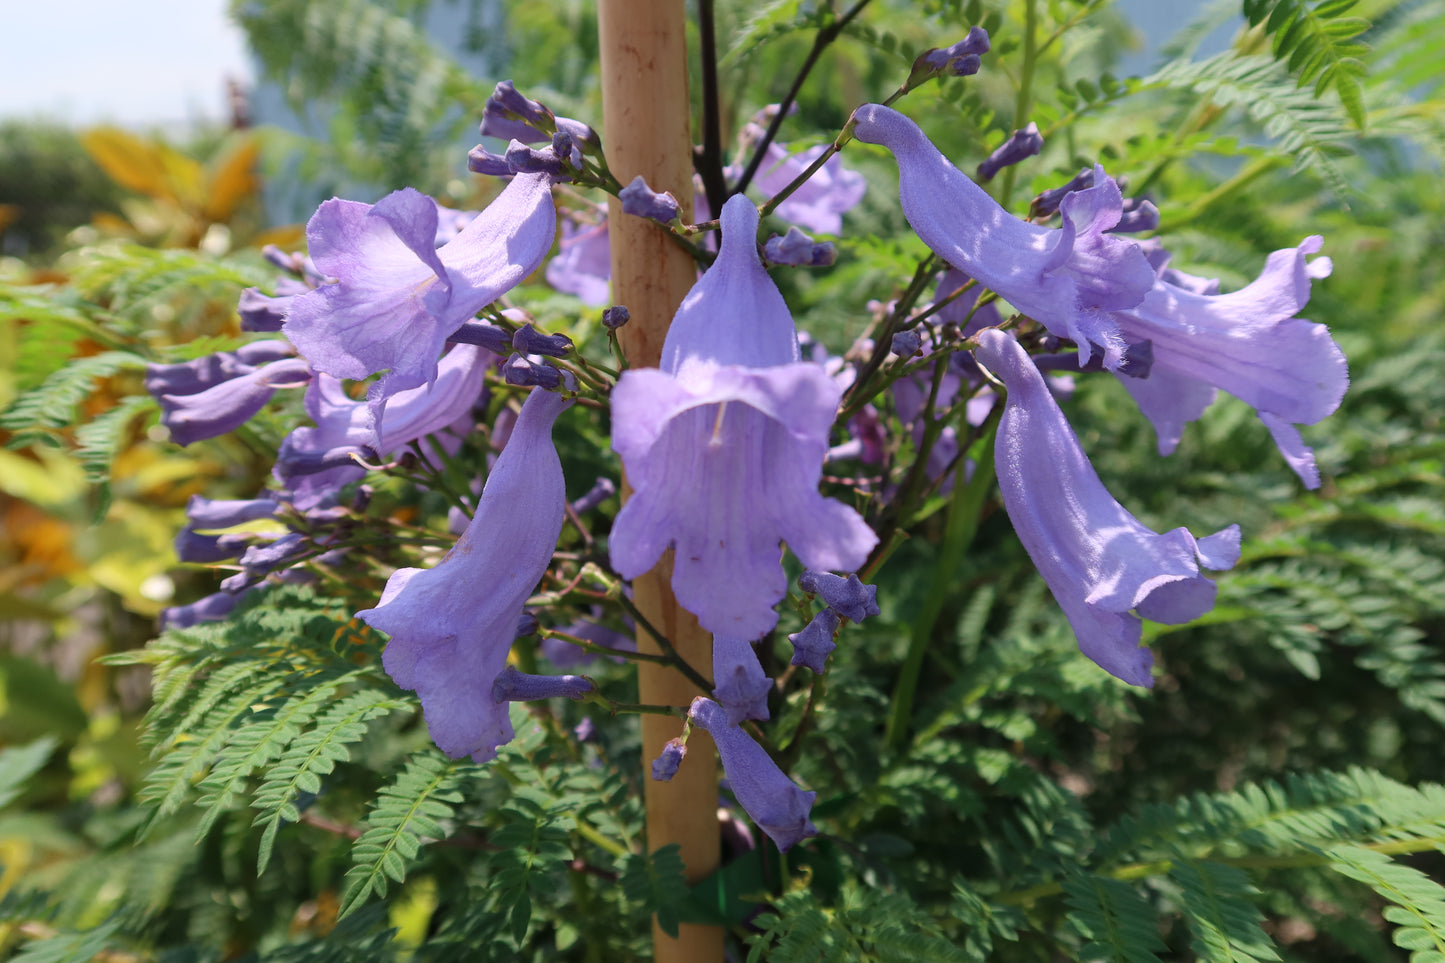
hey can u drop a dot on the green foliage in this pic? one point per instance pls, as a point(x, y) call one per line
point(1419, 901)
point(886, 928)
point(1219, 908)
point(422, 796)
point(1118, 923)
point(656, 883)
point(1317, 43)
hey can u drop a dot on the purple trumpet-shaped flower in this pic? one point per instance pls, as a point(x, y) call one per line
point(664, 767)
point(514, 686)
point(1069, 280)
point(849, 597)
point(1105, 568)
point(740, 687)
point(820, 203)
point(398, 298)
point(228, 405)
point(1021, 144)
point(773, 800)
point(1248, 343)
point(583, 265)
point(261, 560)
point(315, 462)
point(814, 642)
point(724, 447)
point(451, 626)
point(199, 374)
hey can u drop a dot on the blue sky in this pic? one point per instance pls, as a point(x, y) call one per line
point(131, 62)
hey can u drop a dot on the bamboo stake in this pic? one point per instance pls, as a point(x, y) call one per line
point(647, 131)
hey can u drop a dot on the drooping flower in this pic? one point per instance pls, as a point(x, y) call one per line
point(773, 800)
point(451, 626)
point(664, 767)
point(1068, 279)
point(1249, 343)
point(1105, 568)
point(227, 405)
point(315, 461)
point(398, 297)
point(724, 447)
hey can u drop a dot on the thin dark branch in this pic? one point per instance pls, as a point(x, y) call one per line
point(708, 161)
point(826, 35)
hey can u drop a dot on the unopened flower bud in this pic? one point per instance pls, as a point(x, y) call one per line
point(664, 767)
point(489, 336)
point(615, 317)
point(526, 625)
point(1020, 144)
point(814, 642)
point(514, 686)
point(849, 597)
point(604, 489)
point(640, 200)
point(520, 370)
point(799, 250)
point(528, 340)
point(907, 343)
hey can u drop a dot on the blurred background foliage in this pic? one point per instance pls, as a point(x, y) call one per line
point(280, 802)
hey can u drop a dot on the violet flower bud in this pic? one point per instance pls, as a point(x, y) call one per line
point(615, 317)
point(797, 249)
point(519, 370)
point(642, 201)
point(527, 624)
point(191, 546)
point(212, 608)
point(604, 489)
point(511, 116)
point(513, 686)
point(482, 161)
point(961, 59)
point(585, 730)
point(522, 159)
point(906, 344)
point(773, 800)
point(849, 597)
point(814, 642)
point(1020, 145)
point(566, 150)
point(258, 561)
point(208, 513)
point(484, 335)
point(528, 340)
point(664, 767)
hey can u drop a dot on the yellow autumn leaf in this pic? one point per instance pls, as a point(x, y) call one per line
point(129, 161)
point(233, 180)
